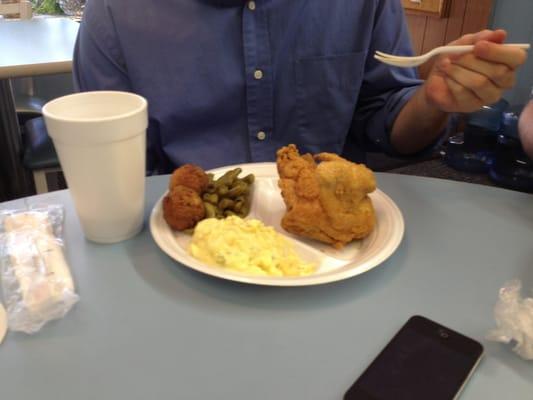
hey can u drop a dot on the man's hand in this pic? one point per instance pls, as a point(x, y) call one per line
point(459, 83)
point(466, 82)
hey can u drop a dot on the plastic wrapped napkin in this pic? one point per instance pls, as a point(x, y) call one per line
point(36, 280)
point(514, 317)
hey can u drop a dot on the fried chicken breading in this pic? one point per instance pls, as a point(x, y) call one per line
point(182, 208)
point(191, 176)
point(327, 201)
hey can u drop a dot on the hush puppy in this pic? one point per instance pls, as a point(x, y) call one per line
point(183, 208)
point(191, 176)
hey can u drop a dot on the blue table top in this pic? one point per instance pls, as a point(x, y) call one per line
point(147, 327)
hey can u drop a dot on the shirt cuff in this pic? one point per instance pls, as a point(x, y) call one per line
point(383, 121)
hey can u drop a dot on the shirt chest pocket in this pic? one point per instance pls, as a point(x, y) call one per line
point(326, 93)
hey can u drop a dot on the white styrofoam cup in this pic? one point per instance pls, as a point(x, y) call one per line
point(100, 138)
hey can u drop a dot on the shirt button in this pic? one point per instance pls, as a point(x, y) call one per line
point(261, 135)
point(258, 74)
point(251, 5)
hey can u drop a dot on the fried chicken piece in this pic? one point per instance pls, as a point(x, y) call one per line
point(182, 208)
point(191, 176)
point(327, 201)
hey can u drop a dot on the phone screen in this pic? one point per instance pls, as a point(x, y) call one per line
point(423, 361)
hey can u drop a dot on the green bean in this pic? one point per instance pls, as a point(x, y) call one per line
point(249, 179)
point(238, 205)
point(211, 198)
point(210, 210)
point(211, 188)
point(225, 203)
point(228, 195)
point(228, 178)
point(222, 190)
point(239, 189)
point(245, 209)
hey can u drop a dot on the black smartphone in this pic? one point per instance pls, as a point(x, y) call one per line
point(423, 361)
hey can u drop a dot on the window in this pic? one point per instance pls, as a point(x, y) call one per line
point(49, 7)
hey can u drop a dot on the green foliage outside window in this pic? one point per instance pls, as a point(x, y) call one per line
point(46, 7)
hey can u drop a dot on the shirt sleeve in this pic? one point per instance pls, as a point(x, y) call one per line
point(98, 63)
point(385, 89)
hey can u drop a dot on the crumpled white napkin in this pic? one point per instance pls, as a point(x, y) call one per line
point(514, 317)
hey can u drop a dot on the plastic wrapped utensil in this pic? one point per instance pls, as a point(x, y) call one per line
point(514, 317)
point(36, 280)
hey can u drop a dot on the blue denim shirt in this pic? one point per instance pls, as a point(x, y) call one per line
point(230, 81)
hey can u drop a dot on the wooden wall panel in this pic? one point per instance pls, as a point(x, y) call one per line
point(456, 18)
point(436, 8)
point(465, 16)
point(435, 33)
point(477, 15)
point(417, 29)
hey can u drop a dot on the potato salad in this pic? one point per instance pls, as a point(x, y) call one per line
point(246, 246)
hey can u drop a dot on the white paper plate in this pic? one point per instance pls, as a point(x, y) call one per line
point(3, 323)
point(268, 206)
